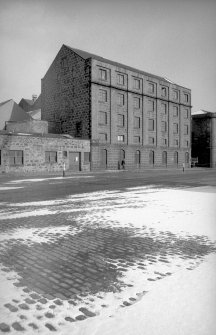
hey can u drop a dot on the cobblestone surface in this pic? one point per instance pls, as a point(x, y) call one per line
point(69, 263)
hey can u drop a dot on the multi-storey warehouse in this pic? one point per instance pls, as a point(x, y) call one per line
point(126, 113)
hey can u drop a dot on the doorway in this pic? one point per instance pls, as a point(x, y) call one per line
point(75, 161)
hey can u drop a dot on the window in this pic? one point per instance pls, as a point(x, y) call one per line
point(120, 120)
point(86, 157)
point(102, 118)
point(103, 95)
point(120, 79)
point(136, 102)
point(103, 137)
point(103, 74)
point(164, 158)
point(137, 157)
point(163, 126)
point(16, 157)
point(136, 139)
point(175, 95)
point(120, 99)
point(78, 129)
point(186, 143)
point(164, 108)
point(186, 97)
point(64, 154)
point(51, 156)
point(120, 138)
point(136, 83)
point(175, 157)
point(175, 111)
point(175, 128)
point(136, 122)
point(186, 157)
point(164, 91)
point(186, 114)
point(64, 63)
point(151, 88)
point(151, 124)
point(186, 129)
point(150, 105)
point(151, 140)
point(176, 143)
point(151, 157)
point(164, 142)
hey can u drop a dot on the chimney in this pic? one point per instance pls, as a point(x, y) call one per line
point(34, 97)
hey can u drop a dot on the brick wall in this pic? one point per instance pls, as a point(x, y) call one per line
point(34, 148)
point(33, 126)
point(65, 96)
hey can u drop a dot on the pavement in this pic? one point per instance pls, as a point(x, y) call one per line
point(63, 259)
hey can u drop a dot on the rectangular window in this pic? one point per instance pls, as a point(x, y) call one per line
point(103, 74)
point(102, 118)
point(51, 156)
point(186, 114)
point(186, 129)
point(151, 124)
point(151, 105)
point(163, 126)
point(151, 140)
point(136, 83)
point(86, 157)
point(120, 79)
point(186, 143)
point(175, 94)
point(64, 63)
point(136, 102)
point(120, 138)
point(64, 154)
point(163, 91)
point(136, 122)
point(78, 129)
point(16, 157)
point(175, 128)
point(103, 137)
point(136, 139)
point(103, 95)
point(186, 97)
point(176, 143)
point(175, 111)
point(164, 142)
point(121, 120)
point(120, 99)
point(164, 108)
point(151, 87)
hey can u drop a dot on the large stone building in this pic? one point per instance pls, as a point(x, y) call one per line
point(204, 138)
point(126, 113)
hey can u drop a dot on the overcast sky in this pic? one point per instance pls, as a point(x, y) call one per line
point(171, 38)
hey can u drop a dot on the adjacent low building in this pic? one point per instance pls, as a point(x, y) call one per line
point(126, 113)
point(204, 138)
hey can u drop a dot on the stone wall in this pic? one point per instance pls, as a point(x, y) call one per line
point(34, 148)
point(33, 126)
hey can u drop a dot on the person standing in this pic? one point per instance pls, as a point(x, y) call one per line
point(183, 167)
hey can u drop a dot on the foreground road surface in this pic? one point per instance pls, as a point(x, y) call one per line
point(108, 253)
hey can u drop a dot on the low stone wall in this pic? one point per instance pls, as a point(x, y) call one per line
point(32, 153)
point(33, 126)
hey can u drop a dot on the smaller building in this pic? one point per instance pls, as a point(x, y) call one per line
point(22, 152)
point(32, 107)
point(204, 138)
point(10, 111)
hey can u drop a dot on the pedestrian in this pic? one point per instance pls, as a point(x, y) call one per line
point(123, 164)
point(64, 169)
point(183, 167)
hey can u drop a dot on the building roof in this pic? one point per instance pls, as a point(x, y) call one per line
point(86, 55)
point(10, 111)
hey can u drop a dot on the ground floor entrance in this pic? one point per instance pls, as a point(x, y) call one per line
point(75, 161)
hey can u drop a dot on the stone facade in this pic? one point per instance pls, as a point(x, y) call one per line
point(204, 138)
point(127, 113)
point(38, 154)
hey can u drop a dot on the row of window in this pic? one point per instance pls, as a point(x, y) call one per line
point(137, 84)
point(137, 103)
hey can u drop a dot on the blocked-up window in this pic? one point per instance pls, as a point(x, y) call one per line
point(150, 124)
point(51, 156)
point(136, 139)
point(136, 102)
point(175, 94)
point(120, 78)
point(163, 91)
point(121, 120)
point(103, 95)
point(151, 140)
point(186, 114)
point(136, 83)
point(103, 137)
point(120, 99)
point(175, 128)
point(151, 105)
point(164, 108)
point(186, 129)
point(103, 74)
point(16, 157)
point(163, 126)
point(136, 122)
point(151, 87)
point(102, 118)
point(175, 111)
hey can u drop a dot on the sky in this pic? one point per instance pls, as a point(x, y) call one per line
point(175, 39)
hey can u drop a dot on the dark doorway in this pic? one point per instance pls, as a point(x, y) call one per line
point(104, 158)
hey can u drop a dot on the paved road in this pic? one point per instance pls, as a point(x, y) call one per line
point(61, 257)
